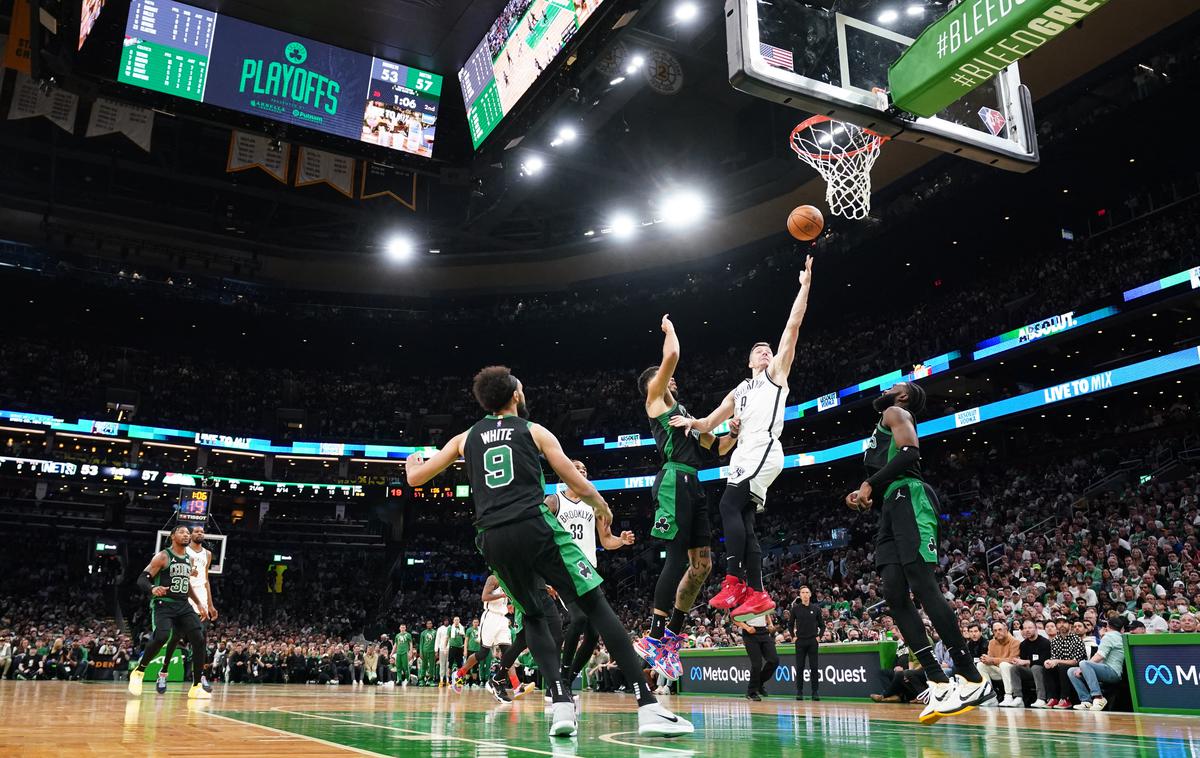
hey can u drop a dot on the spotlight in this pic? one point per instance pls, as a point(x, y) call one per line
point(399, 249)
point(683, 207)
point(622, 225)
point(565, 134)
point(686, 11)
point(533, 165)
point(635, 63)
point(615, 81)
point(915, 10)
point(888, 17)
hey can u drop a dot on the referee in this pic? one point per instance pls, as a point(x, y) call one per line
point(807, 626)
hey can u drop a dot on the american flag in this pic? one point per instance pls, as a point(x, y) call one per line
point(775, 56)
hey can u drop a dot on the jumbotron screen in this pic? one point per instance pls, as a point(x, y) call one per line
point(516, 50)
point(200, 55)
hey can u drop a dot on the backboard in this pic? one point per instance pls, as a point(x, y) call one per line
point(214, 542)
point(826, 56)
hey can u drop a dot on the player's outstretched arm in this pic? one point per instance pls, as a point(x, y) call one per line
point(417, 470)
point(549, 445)
point(709, 422)
point(781, 364)
point(657, 386)
point(608, 540)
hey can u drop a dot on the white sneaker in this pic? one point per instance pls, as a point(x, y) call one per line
point(943, 700)
point(1039, 703)
point(135, 682)
point(562, 720)
point(1083, 707)
point(1099, 703)
point(1012, 702)
point(975, 694)
point(656, 721)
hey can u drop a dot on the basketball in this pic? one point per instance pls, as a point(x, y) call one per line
point(805, 223)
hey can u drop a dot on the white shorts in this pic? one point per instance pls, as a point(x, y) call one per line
point(757, 461)
point(493, 630)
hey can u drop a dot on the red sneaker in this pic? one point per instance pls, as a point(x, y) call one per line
point(754, 604)
point(733, 591)
point(1051, 702)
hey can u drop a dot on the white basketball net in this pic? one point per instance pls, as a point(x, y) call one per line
point(843, 154)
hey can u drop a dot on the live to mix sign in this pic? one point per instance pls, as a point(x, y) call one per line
point(974, 41)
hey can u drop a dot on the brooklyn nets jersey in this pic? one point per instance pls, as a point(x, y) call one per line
point(578, 518)
point(759, 403)
point(199, 577)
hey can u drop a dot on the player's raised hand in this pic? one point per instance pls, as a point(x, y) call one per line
point(667, 326)
point(414, 459)
point(627, 538)
point(806, 274)
point(681, 422)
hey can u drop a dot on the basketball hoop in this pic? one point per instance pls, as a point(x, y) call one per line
point(843, 154)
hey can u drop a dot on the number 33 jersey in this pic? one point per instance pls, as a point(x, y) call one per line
point(579, 520)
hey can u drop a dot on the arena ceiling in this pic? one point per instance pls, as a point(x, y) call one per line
point(488, 221)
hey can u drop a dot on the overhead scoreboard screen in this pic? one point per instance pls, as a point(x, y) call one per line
point(518, 47)
point(200, 55)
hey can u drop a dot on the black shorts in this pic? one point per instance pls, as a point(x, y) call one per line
point(908, 524)
point(176, 617)
point(682, 511)
point(527, 555)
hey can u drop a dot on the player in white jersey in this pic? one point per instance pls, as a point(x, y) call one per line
point(758, 403)
point(201, 558)
point(578, 518)
point(493, 629)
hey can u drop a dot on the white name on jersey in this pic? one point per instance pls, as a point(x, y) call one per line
point(495, 435)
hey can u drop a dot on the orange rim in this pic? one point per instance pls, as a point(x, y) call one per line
point(877, 139)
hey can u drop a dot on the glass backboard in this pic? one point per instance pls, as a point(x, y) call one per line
point(827, 56)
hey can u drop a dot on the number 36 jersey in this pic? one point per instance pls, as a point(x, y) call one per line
point(579, 520)
point(505, 470)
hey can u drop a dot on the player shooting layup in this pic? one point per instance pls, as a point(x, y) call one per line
point(758, 403)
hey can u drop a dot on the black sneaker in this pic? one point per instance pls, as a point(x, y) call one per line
point(499, 690)
point(753, 696)
point(799, 696)
point(816, 696)
point(763, 692)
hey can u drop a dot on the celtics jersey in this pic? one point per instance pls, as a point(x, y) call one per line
point(881, 448)
point(678, 445)
point(403, 643)
point(505, 471)
point(175, 577)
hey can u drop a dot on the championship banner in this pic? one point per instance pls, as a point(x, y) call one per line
point(318, 166)
point(18, 51)
point(112, 117)
point(378, 180)
point(29, 100)
point(254, 151)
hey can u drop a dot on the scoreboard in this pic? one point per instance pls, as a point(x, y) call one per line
point(514, 54)
point(200, 55)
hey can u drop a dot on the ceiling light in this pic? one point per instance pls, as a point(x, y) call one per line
point(683, 207)
point(399, 249)
point(915, 10)
point(616, 81)
point(686, 11)
point(888, 17)
point(622, 225)
point(533, 165)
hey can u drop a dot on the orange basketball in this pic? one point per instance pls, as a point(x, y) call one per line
point(805, 223)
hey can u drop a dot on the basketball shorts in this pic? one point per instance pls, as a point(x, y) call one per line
point(527, 555)
point(174, 616)
point(908, 524)
point(756, 461)
point(682, 508)
point(493, 629)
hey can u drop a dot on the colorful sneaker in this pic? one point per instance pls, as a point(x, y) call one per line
point(160, 686)
point(754, 604)
point(523, 690)
point(499, 689)
point(457, 683)
point(198, 693)
point(662, 655)
point(207, 685)
point(733, 590)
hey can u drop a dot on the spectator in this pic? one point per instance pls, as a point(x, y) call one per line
point(1033, 652)
point(1066, 651)
point(1105, 667)
point(1003, 648)
point(1153, 622)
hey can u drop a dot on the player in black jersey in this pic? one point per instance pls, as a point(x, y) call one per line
point(525, 545)
point(681, 517)
point(170, 610)
point(906, 551)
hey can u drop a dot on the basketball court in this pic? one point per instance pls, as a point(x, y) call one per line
point(313, 720)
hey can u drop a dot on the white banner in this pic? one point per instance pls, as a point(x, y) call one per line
point(317, 166)
point(29, 100)
point(112, 117)
point(254, 151)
